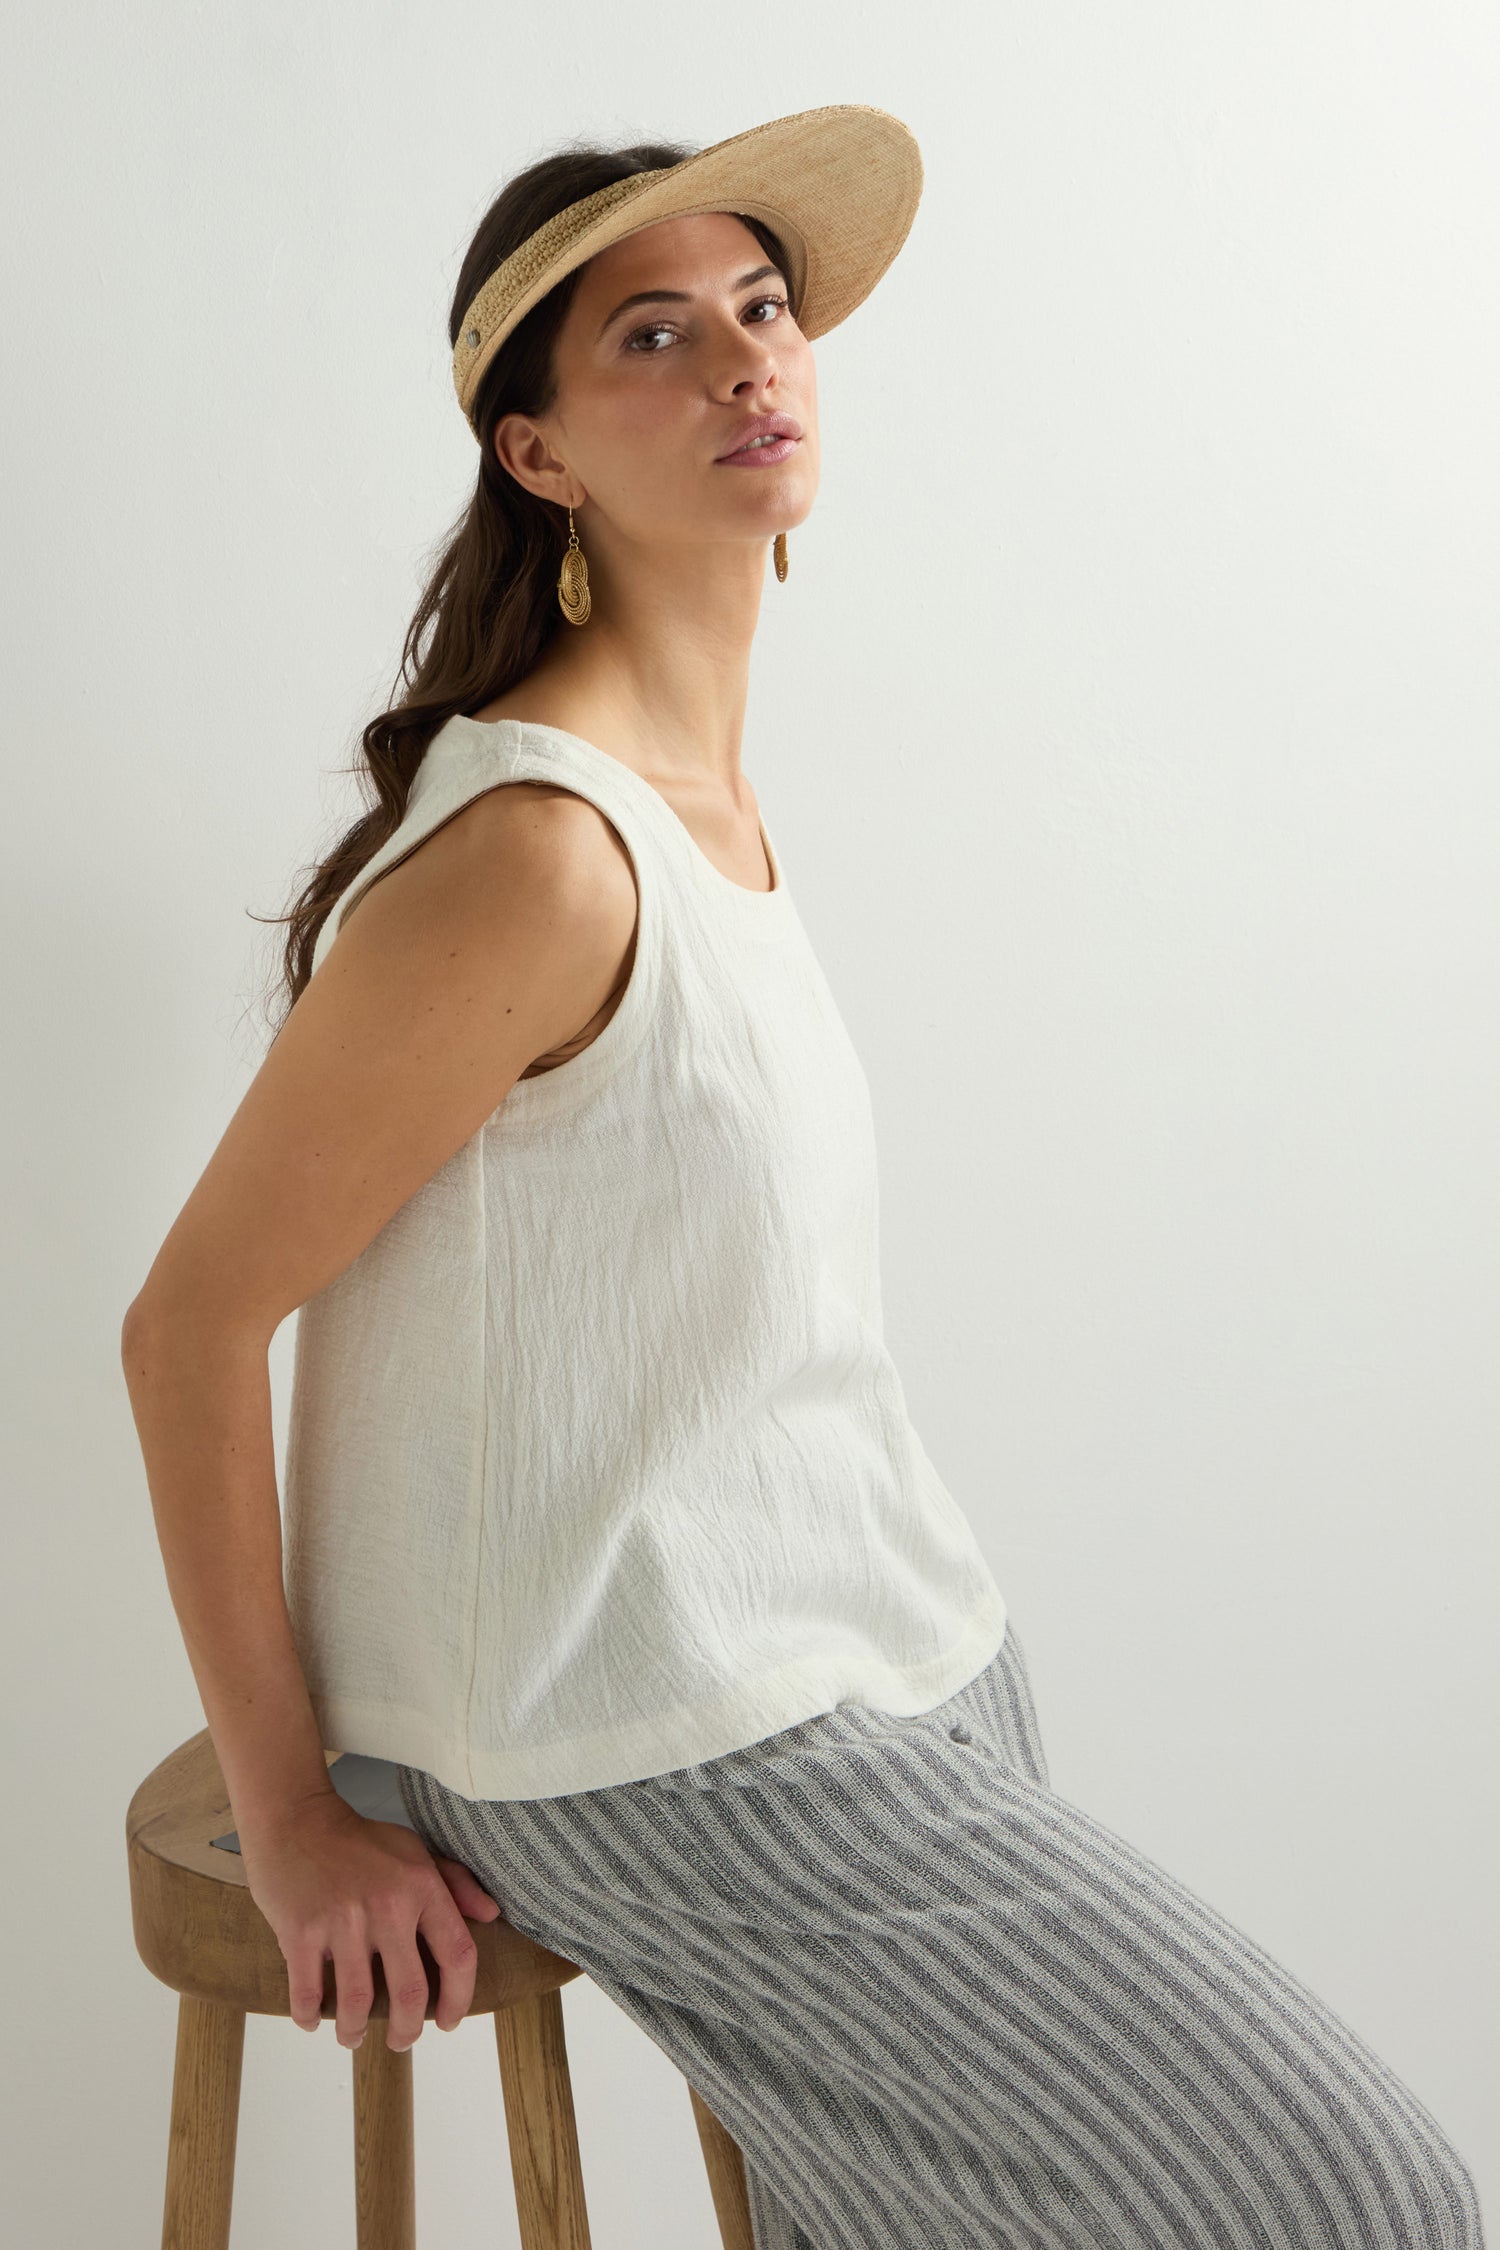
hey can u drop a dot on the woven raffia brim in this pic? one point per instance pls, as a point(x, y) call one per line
point(840, 186)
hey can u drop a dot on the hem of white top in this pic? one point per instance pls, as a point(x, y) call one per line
point(797, 1691)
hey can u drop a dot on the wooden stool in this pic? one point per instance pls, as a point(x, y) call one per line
point(200, 1931)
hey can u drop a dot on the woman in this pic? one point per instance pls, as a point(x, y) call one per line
point(606, 1521)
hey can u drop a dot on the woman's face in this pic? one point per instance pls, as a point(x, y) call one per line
point(676, 337)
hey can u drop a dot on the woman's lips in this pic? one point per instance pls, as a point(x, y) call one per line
point(760, 456)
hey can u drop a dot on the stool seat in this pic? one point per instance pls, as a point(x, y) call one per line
point(199, 1931)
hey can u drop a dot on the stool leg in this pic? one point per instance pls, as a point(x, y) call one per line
point(205, 2120)
point(540, 2124)
point(385, 2176)
point(725, 2163)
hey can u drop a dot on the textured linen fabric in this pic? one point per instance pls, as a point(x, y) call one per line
point(597, 1462)
point(939, 2007)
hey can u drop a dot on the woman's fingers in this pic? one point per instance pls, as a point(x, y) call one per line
point(407, 1986)
point(304, 1981)
point(469, 1895)
point(354, 1979)
point(452, 1947)
point(430, 1910)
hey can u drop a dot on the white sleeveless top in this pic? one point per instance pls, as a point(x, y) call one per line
point(597, 1463)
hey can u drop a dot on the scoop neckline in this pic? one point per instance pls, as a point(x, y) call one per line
point(761, 904)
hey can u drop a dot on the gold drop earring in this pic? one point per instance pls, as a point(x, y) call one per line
point(573, 580)
point(778, 550)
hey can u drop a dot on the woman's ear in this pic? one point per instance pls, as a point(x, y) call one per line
point(524, 450)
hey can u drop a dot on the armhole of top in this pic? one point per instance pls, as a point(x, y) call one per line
point(369, 877)
point(623, 1030)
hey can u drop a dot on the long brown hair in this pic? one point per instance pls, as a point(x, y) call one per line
point(490, 605)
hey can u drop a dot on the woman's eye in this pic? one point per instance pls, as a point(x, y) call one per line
point(664, 328)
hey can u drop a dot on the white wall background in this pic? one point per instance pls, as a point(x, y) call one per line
point(1128, 723)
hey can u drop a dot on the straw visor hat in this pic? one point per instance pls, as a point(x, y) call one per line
point(840, 186)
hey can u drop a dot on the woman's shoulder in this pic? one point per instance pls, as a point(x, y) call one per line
point(516, 847)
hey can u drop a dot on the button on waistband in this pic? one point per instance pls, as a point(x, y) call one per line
point(960, 1734)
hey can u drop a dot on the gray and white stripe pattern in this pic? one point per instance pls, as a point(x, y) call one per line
point(939, 2007)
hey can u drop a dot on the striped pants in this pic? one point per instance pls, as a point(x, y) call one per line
point(941, 2008)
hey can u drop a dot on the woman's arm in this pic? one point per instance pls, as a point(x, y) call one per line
point(501, 935)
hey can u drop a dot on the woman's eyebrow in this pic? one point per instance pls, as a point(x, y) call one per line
point(678, 296)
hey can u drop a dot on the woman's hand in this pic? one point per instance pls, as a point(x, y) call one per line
point(333, 1884)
